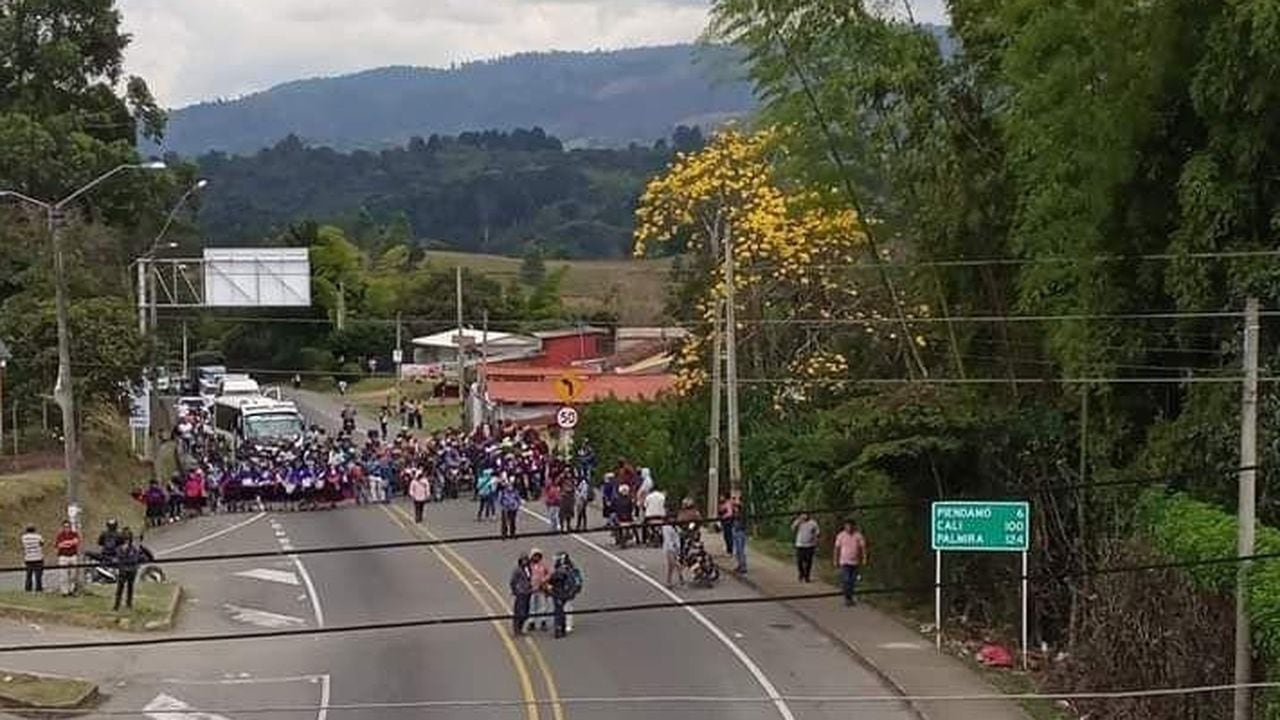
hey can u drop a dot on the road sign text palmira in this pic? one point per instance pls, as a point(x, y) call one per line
point(981, 526)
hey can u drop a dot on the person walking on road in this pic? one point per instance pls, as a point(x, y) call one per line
point(563, 586)
point(552, 498)
point(509, 504)
point(568, 503)
point(850, 554)
point(486, 490)
point(521, 593)
point(582, 500)
point(539, 575)
point(128, 558)
point(671, 550)
point(807, 531)
point(67, 545)
point(739, 533)
point(419, 491)
point(33, 559)
point(725, 516)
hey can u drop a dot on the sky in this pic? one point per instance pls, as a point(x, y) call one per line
point(194, 50)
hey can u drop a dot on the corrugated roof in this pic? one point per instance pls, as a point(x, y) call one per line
point(448, 338)
point(570, 332)
point(595, 388)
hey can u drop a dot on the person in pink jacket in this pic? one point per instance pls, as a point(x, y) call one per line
point(539, 574)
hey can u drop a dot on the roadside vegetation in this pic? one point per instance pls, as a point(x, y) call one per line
point(1015, 207)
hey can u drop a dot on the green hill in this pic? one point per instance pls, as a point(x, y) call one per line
point(596, 99)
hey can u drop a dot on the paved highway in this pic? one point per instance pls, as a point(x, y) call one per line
point(743, 659)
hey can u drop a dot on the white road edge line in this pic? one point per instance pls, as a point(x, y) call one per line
point(322, 713)
point(211, 536)
point(761, 679)
point(246, 680)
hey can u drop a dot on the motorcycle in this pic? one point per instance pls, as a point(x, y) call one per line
point(104, 572)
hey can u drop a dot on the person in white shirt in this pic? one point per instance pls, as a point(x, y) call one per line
point(655, 511)
point(671, 549)
point(33, 559)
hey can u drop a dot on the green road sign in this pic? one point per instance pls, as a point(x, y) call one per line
point(979, 526)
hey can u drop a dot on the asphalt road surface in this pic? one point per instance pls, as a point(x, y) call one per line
point(750, 662)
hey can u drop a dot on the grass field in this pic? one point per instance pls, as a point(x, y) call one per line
point(369, 395)
point(20, 689)
point(39, 498)
point(92, 606)
point(635, 289)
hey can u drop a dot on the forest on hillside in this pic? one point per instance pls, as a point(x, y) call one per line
point(589, 99)
point(490, 191)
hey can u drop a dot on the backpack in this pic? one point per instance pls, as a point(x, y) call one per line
point(574, 581)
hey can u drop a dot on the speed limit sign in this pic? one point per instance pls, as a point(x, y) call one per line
point(567, 418)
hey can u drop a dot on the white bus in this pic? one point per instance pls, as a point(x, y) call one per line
point(257, 422)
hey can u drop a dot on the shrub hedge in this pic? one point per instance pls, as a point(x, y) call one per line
point(1188, 530)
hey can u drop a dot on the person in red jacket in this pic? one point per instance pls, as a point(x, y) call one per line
point(193, 491)
point(67, 544)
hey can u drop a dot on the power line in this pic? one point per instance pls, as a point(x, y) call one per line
point(611, 609)
point(1197, 380)
point(476, 539)
point(707, 700)
point(812, 322)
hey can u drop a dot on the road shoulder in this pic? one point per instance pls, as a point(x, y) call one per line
point(901, 657)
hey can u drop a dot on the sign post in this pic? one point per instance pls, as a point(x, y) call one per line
point(979, 526)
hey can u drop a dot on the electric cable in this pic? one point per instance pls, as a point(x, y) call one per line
point(382, 626)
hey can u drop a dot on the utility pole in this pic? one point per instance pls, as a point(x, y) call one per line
point(1242, 707)
point(342, 306)
point(484, 370)
point(62, 391)
point(4, 360)
point(184, 350)
point(717, 391)
point(151, 296)
point(142, 296)
point(462, 362)
point(731, 369)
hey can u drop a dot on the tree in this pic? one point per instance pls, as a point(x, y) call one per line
point(786, 244)
point(533, 268)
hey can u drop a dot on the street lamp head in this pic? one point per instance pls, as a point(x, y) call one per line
point(171, 245)
point(154, 165)
point(202, 183)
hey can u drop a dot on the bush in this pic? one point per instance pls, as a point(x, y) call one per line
point(1188, 530)
point(663, 436)
point(1148, 629)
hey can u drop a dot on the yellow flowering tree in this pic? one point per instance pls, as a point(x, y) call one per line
point(792, 250)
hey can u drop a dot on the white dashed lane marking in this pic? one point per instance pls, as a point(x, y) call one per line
point(269, 575)
point(262, 618)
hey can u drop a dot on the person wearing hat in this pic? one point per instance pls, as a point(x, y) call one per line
point(539, 574)
point(624, 510)
point(563, 586)
point(521, 592)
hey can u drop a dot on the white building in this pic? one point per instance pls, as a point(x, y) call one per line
point(437, 355)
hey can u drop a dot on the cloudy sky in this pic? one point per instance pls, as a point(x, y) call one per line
point(193, 50)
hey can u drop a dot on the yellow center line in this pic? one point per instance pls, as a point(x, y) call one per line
point(544, 668)
point(517, 660)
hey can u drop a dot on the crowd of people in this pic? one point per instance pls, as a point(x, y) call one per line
point(504, 468)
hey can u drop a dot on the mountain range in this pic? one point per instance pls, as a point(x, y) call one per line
point(588, 99)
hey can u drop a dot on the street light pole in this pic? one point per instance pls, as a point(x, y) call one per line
point(4, 361)
point(63, 392)
point(147, 299)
